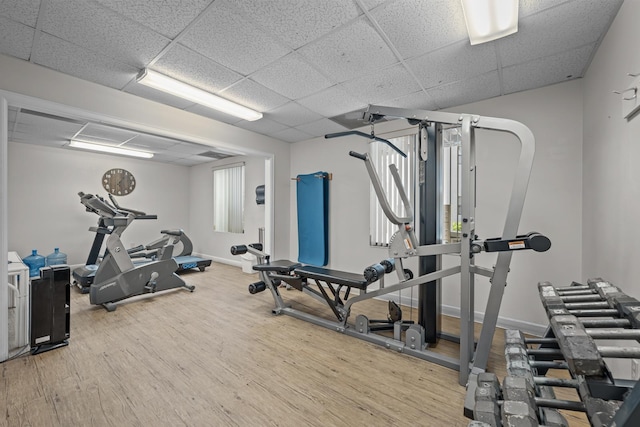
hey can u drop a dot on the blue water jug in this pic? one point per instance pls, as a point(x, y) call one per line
point(56, 257)
point(35, 262)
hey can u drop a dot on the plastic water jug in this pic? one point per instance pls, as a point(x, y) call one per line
point(35, 262)
point(56, 257)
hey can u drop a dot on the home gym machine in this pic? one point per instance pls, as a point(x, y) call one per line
point(117, 278)
point(579, 316)
point(182, 248)
point(412, 338)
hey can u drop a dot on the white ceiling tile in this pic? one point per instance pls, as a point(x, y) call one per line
point(213, 114)
point(103, 31)
point(456, 62)
point(76, 61)
point(157, 95)
point(190, 161)
point(545, 71)
point(349, 52)
point(556, 30)
point(167, 17)
point(299, 22)
point(106, 134)
point(387, 83)
point(254, 95)
point(321, 127)
point(372, 4)
point(417, 100)
point(529, 7)
point(229, 39)
point(417, 26)
point(187, 148)
point(293, 114)
point(264, 126)
point(15, 39)
point(23, 11)
point(331, 102)
point(292, 135)
point(151, 143)
point(466, 91)
point(292, 76)
point(190, 67)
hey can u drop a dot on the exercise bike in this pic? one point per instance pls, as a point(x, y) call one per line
point(117, 278)
point(83, 276)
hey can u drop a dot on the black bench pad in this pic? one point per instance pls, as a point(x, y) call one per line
point(332, 276)
point(282, 266)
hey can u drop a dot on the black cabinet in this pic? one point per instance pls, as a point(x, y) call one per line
point(50, 309)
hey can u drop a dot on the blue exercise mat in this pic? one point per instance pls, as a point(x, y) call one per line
point(313, 218)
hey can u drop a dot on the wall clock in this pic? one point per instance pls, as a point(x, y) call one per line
point(118, 182)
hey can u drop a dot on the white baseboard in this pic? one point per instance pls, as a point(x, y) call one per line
point(219, 260)
point(448, 310)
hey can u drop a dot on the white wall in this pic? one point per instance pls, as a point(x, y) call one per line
point(216, 244)
point(45, 209)
point(611, 201)
point(552, 207)
point(611, 153)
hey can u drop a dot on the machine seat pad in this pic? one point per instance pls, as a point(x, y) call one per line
point(282, 266)
point(332, 276)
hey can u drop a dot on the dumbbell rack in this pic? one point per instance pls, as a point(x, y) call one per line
point(579, 315)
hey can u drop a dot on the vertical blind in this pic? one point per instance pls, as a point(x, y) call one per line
point(228, 199)
point(380, 228)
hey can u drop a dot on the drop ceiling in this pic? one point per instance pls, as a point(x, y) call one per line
point(300, 62)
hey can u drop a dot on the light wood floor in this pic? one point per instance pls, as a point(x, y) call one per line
point(217, 357)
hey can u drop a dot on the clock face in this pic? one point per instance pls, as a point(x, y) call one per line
point(118, 182)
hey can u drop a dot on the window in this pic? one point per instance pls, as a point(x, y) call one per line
point(452, 170)
point(380, 228)
point(228, 198)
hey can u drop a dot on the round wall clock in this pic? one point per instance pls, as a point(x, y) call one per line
point(118, 182)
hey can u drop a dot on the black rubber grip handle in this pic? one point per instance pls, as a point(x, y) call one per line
point(238, 250)
point(373, 273)
point(257, 246)
point(358, 155)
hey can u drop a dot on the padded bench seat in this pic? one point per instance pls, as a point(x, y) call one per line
point(281, 266)
point(332, 276)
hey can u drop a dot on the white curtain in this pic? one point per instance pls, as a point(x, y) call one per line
point(380, 228)
point(228, 199)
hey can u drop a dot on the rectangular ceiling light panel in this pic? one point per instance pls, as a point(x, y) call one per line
point(177, 88)
point(489, 20)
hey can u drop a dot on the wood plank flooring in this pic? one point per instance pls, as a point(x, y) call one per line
point(217, 357)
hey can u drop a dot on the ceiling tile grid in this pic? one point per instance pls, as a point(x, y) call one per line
point(301, 62)
point(416, 26)
point(103, 31)
point(292, 76)
point(192, 68)
point(166, 17)
point(22, 11)
point(16, 39)
point(70, 59)
point(293, 114)
point(349, 52)
point(452, 63)
point(298, 22)
point(226, 36)
point(547, 70)
point(556, 30)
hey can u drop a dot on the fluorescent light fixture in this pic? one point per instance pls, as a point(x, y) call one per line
point(490, 19)
point(108, 149)
point(174, 87)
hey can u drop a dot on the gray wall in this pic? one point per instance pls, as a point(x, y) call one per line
point(554, 114)
point(216, 244)
point(611, 176)
point(45, 210)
